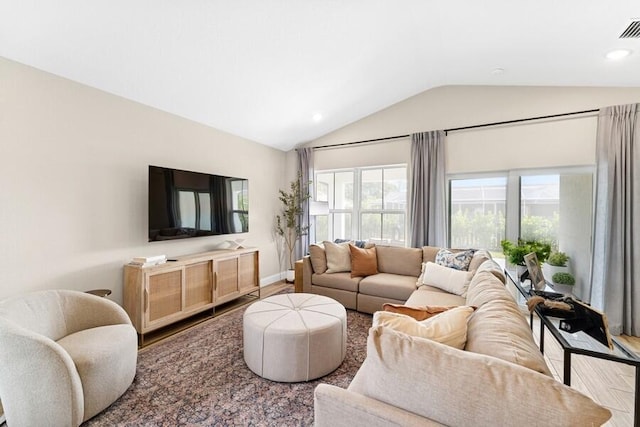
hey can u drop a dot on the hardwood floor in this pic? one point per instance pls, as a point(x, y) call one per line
point(609, 383)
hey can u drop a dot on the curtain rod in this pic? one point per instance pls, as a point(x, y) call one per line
point(446, 131)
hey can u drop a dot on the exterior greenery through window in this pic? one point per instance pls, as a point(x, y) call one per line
point(364, 204)
point(549, 206)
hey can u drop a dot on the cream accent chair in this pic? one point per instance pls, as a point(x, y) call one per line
point(64, 357)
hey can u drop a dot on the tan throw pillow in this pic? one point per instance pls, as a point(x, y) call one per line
point(318, 258)
point(459, 388)
point(418, 313)
point(449, 327)
point(338, 257)
point(448, 279)
point(363, 261)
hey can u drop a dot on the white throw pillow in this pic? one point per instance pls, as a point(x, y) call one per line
point(449, 327)
point(338, 257)
point(445, 278)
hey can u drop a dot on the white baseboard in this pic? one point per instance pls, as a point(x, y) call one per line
point(265, 281)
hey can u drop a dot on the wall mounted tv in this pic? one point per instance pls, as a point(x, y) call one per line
point(185, 204)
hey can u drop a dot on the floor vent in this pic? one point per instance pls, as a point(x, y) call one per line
point(632, 31)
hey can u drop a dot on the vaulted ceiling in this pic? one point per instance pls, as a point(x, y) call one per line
point(283, 72)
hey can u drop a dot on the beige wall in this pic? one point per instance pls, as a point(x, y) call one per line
point(531, 145)
point(73, 182)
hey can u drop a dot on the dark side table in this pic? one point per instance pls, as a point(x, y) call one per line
point(580, 343)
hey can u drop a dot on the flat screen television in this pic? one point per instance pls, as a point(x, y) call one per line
point(184, 204)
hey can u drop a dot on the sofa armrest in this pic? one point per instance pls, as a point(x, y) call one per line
point(307, 271)
point(336, 407)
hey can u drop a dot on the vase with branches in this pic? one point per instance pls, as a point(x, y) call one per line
point(289, 222)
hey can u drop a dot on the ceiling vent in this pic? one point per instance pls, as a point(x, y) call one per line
point(632, 31)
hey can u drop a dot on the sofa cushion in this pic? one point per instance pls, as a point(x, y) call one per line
point(342, 281)
point(458, 388)
point(338, 257)
point(449, 327)
point(448, 279)
point(318, 258)
point(485, 287)
point(498, 328)
point(458, 260)
point(427, 296)
point(363, 261)
point(387, 285)
point(398, 260)
point(429, 253)
point(418, 313)
point(478, 258)
point(494, 268)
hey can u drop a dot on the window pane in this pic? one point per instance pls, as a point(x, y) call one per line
point(393, 227)
point(371, 190)
point(478, 213)
point(342, 226)
point(371, 226)
point(343, 197)
point(323, 186)
point(322, 227)
point(395, 188)
point(540, 208)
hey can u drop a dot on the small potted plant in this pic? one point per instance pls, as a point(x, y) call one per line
point(515, 252)
point(558, 262)
point(563, 282)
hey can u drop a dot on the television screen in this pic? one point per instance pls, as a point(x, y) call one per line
point(185, 204)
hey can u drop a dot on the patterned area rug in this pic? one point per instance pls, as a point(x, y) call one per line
point(199, 378)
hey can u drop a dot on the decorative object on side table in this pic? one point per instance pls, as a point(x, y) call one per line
point(563, 282)
point(557, 262)
point(515, 253)
point(289, 221)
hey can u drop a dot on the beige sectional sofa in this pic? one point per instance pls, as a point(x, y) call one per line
point(398, 271)
point(498, 378)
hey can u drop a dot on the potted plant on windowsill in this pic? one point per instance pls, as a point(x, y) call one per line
point(515, 252)
point(289, 221)
point(563, 282)
point(558, 262)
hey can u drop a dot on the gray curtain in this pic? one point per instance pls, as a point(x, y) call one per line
point(305, 170)
point(615, 271)
point(428, 213)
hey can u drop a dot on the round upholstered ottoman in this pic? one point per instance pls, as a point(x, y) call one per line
point(294, 337)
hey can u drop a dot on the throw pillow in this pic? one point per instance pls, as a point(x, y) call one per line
point(364, 262)
point(338, 257)
point(449, 327)
point(418, 313)
point(318, 258)
point(458, 260)
point(448, 279)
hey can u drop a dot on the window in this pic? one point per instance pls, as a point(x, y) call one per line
point(364, 203)
point(540, 208)
point(553, 206)
point(478, 208)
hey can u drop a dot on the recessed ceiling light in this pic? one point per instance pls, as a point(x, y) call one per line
point(618, 54)
point(317, 117)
